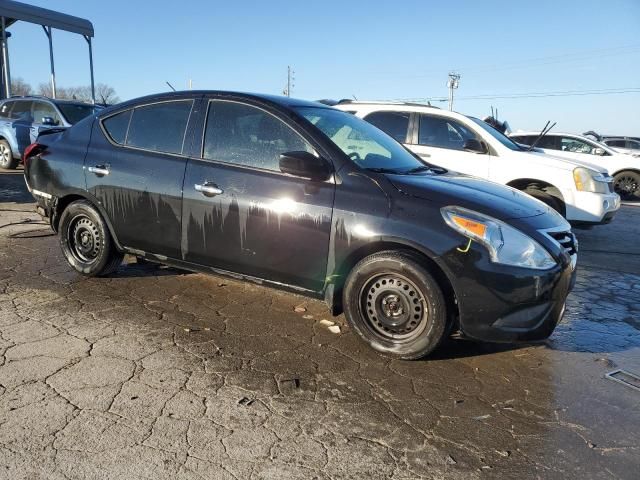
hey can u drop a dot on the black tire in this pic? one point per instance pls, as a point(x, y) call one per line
point(395, 305)
point(547, 198)
point(627, 185)
point(86, 241)
point(6, 156)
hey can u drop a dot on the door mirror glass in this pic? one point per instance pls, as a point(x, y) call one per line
point(304, 164)
point(49, 121)
point(598, 151)
point(475, 146)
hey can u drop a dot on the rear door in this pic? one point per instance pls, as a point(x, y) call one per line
point(135, 168)
point(20, 124)
point(439, 140)
point(240, 213)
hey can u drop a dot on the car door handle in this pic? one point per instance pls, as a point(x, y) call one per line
point(208, 189)
point(99, 170)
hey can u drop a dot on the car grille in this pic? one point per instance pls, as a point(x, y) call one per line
point(567, 241)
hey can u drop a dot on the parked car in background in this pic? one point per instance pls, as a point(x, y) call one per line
point(624, 168)
point(623, 144)
point(301, 196)
point(580, 191)
point(22, 119)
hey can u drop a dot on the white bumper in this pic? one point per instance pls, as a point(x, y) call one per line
point(592, 207)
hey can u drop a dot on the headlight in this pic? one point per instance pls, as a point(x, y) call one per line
point(588, 180)
point(505, 244)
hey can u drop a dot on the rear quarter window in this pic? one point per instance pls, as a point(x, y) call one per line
point(117, 125)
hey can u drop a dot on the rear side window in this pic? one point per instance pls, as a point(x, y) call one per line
point(117, 126)
point(160, 127)
point(246, 135)
point(21, 111)
point(394, 124)
point(5, 109)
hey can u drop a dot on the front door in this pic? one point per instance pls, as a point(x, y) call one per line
point(135, 168)
point(241, 214)
point(44, 117)
point(439, 140)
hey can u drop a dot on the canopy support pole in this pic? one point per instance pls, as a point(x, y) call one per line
point(93, 86)
point(49, 33)
point(5, 60)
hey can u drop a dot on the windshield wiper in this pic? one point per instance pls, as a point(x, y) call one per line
point(421, 168)
point(544, 131)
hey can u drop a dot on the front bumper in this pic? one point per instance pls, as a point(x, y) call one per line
point(498, 303)
point(593, 208)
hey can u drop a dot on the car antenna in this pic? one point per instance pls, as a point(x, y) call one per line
point(170, 86)
point(544, 131)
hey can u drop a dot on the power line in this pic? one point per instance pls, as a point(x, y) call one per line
point(562, 93)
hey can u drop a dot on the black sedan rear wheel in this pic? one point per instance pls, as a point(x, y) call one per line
point(627, 185)
point(86, 241)
point(395, 305)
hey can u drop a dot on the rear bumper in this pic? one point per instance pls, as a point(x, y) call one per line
point(498, 303)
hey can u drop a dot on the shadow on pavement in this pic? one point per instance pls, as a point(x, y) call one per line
point(13, 188)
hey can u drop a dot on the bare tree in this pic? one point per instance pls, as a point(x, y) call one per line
point(104, 93)
point(20, 87)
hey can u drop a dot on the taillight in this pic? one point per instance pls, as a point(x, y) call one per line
point(31, 151)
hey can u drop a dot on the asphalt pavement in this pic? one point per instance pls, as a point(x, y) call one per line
point(156, 373)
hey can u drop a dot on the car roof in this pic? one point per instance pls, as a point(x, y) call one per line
point(551, 134)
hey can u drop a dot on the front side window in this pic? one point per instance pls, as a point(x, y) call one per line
point(443, 132)
point(246, 135)
point(117, 125)
point(42, 110)
point(159, 127)
point(573, 145)
point(395, 124)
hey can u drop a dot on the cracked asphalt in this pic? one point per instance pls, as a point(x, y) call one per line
point(155, 373)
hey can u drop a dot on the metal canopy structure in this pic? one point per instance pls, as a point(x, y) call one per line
point(12, 12)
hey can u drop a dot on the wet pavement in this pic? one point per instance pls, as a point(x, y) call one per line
point(158, 373)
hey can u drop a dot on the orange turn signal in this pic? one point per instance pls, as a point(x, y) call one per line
point(471, 226)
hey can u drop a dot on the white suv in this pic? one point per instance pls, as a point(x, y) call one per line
point(582, 192)
point(624, 168)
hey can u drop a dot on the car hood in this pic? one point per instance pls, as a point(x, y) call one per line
point(499, 201)
point(543, 157)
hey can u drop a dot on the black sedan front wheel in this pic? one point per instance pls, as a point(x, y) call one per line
point(627, 185)
point(395, 305)
point(86, 241)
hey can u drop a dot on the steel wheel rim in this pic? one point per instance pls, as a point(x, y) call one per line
point(84, 239)
point(393, 307)
point(626, 186)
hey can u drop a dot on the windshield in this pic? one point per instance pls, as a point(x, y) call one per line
point(74, 112)
point(367, 146)
point(501, 137)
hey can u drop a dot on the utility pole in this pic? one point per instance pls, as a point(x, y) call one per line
point(452, 83)
point(290, 81)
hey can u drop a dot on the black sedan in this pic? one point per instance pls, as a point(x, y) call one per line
point(300, 196)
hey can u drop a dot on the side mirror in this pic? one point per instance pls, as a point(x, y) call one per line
point(305, 165)
point(598, 151)
point(48, 121)
point(475, 146)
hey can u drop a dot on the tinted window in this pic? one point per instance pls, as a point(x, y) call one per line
point(5, 110)
point(21, 111)
point(550, 142)
point(44, 109)
point(523, 139)
point(245, 135)
point(117, 126)
point(634, 144)
point(395, 124)
point(616, 143)
point(443, 132)
point(74, 112)
point(159, 127)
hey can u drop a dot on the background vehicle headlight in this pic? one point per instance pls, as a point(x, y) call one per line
point(588, 180)
point(505, 244)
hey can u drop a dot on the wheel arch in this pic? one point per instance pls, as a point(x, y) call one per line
point(523, 183)
point(631, 169)
point(63, 202)
point(333, 292)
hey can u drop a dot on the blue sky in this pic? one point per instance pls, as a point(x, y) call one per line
point(373, 50)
